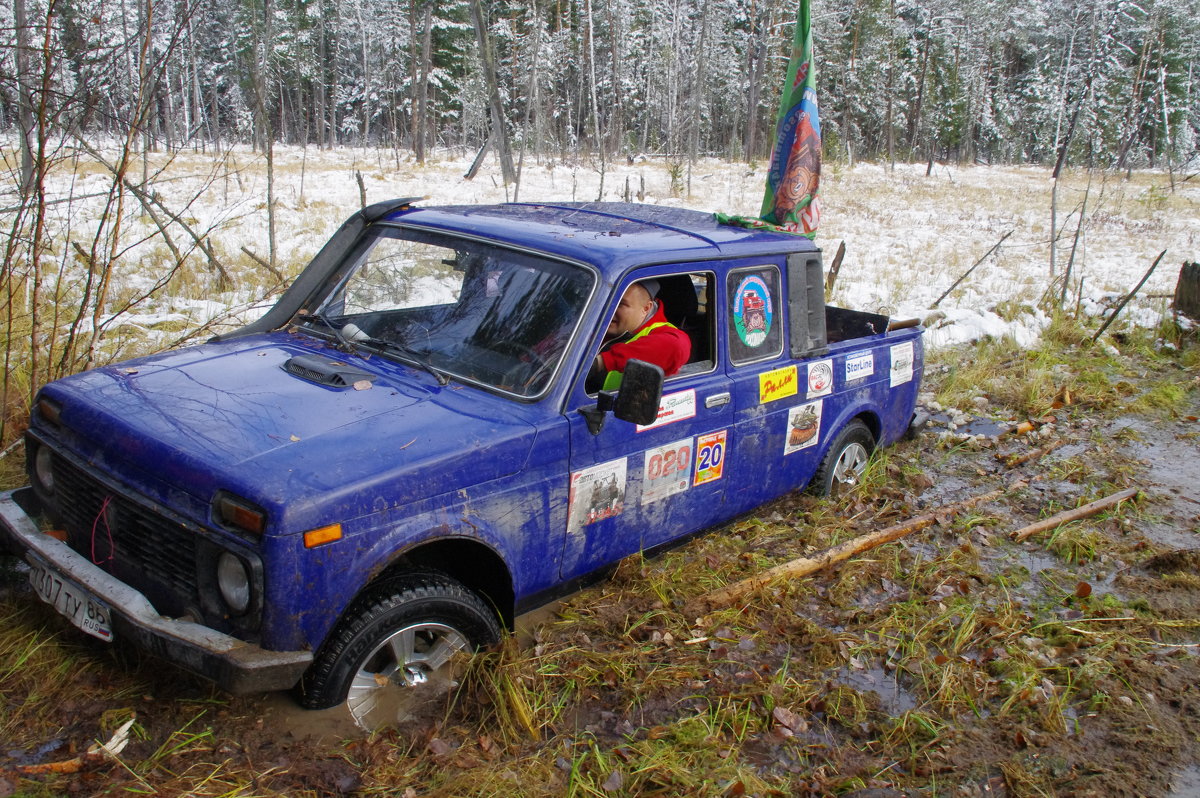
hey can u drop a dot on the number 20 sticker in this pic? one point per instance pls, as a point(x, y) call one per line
point(710, 457)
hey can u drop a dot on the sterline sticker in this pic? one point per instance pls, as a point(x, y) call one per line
point(674, 407)
point(803, 427)
point(820, 378)
point(597, 493)
point(902, 363)
point(710, 457)
point(777, 384)
point(859, 365)
point(667, 470)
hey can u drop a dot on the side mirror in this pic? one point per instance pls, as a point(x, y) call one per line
point(640, 393)
point(637, 399)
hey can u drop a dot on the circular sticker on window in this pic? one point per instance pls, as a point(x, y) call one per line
point(752, 311)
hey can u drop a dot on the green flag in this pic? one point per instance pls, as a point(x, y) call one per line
point(790, 201)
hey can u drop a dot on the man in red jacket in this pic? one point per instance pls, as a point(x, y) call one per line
point(638, 331)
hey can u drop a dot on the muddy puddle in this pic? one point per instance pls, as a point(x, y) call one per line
point(1186, 783)
point(281, 714)
point(1171, 461)
point(894, 699)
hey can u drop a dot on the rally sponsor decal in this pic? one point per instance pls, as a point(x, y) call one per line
point(667, 470)
point(859, 365)
point(674, 407)
point(820, 378)
point(777, 384)
point(902, 363)
point(803, 427)
point(710, 457)
point(752, 315)
point(597, 493)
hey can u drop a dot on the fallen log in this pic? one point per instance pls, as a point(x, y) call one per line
point(1089, 509)
point(967, 273)
point(1128, 297)
point(843, 551)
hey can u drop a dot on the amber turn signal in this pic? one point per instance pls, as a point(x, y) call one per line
point(240, 514)
point(322, 535)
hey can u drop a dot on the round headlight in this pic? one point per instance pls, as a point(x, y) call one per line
point(234, 581)
point(43, 469)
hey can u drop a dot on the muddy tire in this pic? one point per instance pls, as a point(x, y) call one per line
point(844, 461)
point(399, 649)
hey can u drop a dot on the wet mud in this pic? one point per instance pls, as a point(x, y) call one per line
point(812, 688)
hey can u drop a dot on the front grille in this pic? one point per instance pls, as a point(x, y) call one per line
point(142, 548)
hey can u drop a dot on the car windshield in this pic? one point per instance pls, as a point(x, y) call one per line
point(459, 308)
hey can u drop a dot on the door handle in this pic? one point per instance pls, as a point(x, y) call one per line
point(716, 400)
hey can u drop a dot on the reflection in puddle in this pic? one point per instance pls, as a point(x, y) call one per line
point(320, 726)
point(893, 699)
point(1186, 783)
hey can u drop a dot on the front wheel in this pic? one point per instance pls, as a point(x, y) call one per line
point(845, 461)
point(400, 647)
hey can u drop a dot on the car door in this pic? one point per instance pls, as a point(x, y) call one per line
point(779, 402)
point(634, 487)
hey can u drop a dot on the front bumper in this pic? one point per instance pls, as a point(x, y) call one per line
point(236, 666)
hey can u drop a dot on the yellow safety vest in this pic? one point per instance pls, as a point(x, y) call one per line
point(612, 380)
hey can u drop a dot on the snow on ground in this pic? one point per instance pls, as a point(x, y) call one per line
point(908, 236)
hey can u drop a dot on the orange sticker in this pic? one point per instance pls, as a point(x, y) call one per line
point(710, 457)
point(777, 384)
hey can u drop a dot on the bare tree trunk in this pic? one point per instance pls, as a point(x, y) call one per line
point(499, 125)
point(699, 94)
point(594, 94)
point(531, 92)
point(914, 121)
point(261, 71)
point(366, 79)
point(617, 118)
point(25, 101)
point(320, 89)
point(756, 56)
point(421, 122)
point(891, 92)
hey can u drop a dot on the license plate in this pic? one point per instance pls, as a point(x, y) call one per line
point(88, 613)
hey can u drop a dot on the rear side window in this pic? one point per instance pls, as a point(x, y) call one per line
point(755, 322)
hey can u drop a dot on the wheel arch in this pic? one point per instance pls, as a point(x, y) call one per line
point(472, 563)
point(871, 420)
point(861, 413)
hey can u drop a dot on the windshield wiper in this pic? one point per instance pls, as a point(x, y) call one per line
point(344, 343)
point(413, 355)
point(351, 338)
point(357, 336)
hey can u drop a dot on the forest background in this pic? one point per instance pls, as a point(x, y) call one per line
point(959, 79)
point(97, 99)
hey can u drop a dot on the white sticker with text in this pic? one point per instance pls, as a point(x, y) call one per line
point(859, 365)
point(902, 363)
point(674, 407)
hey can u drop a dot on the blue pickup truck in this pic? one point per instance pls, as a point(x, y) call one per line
point(351, 494)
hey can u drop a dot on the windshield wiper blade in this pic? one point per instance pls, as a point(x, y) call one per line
point(413, 355)
point(344, 343)
point(418, 359)
point(355, 338)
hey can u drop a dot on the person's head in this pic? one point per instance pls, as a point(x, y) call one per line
point(632, 311)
